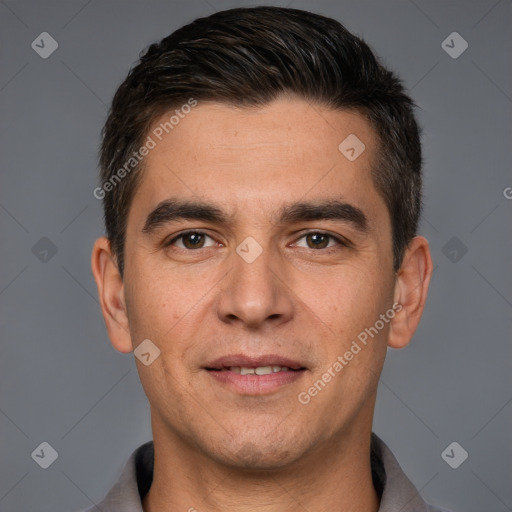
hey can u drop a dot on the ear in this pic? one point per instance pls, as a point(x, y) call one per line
point(111, 294)
point(411, 289)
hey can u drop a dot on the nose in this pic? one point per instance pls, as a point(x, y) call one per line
point(255, 293)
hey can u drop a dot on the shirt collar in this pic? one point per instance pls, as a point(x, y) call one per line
point(395, 490)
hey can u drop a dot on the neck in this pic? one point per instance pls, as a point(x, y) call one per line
point(336, 476)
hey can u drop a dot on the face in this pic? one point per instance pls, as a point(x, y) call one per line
point(254, 245)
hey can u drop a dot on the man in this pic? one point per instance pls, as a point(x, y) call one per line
point(261, 179)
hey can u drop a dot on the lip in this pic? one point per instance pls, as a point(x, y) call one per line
point(253, 362)
point(253, 385)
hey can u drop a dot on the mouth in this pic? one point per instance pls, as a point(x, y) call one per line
point(256, 370)
point(254, 375)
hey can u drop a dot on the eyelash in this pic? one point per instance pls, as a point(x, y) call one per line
point(340, 241)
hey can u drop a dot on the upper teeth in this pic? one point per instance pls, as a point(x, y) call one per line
point(260, 370)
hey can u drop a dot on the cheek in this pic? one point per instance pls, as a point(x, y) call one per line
point(171, 309)
point(151, 306)
point(349, 300)
point(159, 295)
point(350, 304)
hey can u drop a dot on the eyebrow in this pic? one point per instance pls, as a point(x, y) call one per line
point(176, 209)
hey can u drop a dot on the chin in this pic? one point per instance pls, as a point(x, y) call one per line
point(258, 455)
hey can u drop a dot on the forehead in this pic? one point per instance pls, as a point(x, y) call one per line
point(288, 123)
point(283, 151)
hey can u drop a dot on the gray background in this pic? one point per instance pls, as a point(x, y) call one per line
point(61, 380)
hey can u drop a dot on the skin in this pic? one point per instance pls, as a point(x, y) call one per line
point(217, 450)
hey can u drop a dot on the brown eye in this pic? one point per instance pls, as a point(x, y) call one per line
point(321, 240)
point(317, 240)
point(191, 240)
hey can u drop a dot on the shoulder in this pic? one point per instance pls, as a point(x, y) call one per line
point(399, 493)
point(134, 481)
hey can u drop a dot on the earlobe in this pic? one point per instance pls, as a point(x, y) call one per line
point(411, 289)
point(111, 295)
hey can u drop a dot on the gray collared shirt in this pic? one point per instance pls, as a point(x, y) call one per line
point(396, 492)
